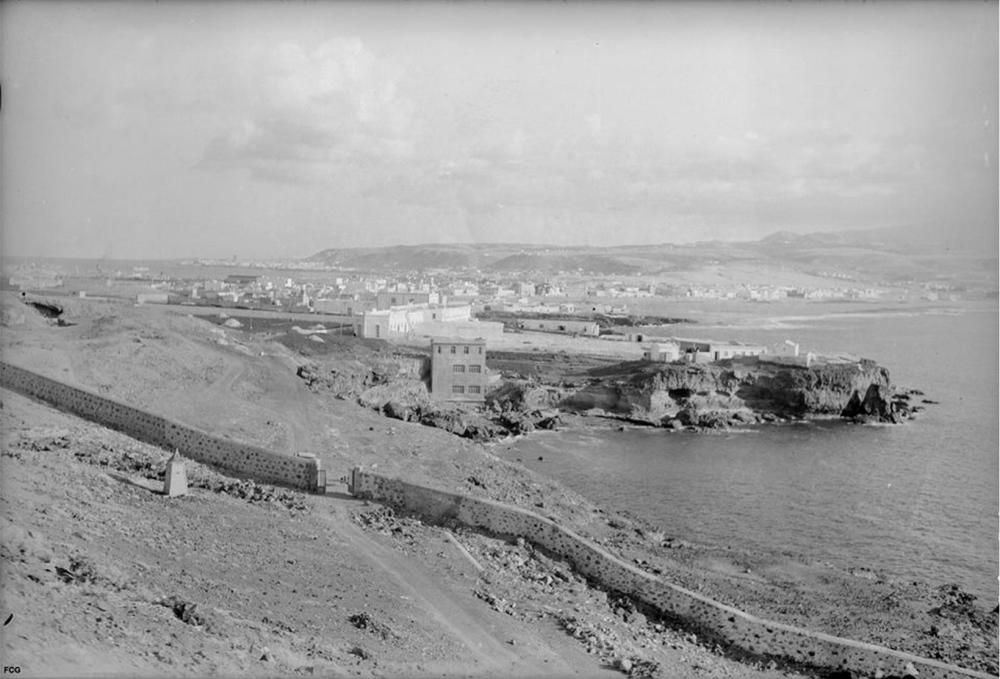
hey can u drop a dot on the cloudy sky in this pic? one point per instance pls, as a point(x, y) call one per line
point(257, 129)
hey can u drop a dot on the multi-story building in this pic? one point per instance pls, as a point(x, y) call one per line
point(458, 369)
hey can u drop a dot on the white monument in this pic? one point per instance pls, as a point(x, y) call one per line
point(175, 482)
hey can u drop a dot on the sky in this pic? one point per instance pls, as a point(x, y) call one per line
point(277, 129)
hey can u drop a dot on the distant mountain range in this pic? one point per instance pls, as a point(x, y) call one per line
point(882, 254)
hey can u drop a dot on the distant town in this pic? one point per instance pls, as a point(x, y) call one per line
point(462, 309)
point(310, 287)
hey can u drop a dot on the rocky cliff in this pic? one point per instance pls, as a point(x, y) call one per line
point(678, 396)
point(739, 392)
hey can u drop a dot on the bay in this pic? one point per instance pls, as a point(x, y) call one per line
point(918, 501)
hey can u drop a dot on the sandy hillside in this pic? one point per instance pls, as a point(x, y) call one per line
point(104, 575)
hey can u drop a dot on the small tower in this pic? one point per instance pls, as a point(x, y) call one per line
point(175, 482)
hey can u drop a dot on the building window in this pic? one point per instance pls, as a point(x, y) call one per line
point(458, 368)
point(466, 349)
point(474, 368)
point(480, 350)
point(453, 350)
point(439, 350)
point(457, 389)
point(474, 389)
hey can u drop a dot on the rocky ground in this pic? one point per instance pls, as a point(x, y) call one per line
point(103, 574)
point(738, 392)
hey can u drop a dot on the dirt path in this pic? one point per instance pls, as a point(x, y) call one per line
point(496, 645)
point(284, 397)
point(485, 651)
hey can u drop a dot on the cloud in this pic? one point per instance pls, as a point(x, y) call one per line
point(317, 115)
point(520, 182)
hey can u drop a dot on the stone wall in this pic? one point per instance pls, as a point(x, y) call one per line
point(728, 625)
point(242, 459)
point(488, 330)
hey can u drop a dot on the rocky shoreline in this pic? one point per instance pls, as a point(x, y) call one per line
point(725, 395)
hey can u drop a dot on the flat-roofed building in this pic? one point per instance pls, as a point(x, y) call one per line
point(458, 369)
point(707, 351)
point(410, 321)
point(663, 352)
point(380, 324)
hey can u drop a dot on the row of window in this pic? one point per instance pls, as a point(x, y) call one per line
point(465, 348)
point(459, 368)
point(471, 389)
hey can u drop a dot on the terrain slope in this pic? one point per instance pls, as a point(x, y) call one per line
point(104, 575)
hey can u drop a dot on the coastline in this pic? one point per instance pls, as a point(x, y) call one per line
point(257, 399)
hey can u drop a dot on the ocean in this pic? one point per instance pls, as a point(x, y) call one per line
point(918, 501)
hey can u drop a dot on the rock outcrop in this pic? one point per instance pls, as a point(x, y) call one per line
point(740, 392)
point(398, 390)
point(677, 396)
point(879, 405)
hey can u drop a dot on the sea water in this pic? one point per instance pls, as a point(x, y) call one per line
point(918, 501)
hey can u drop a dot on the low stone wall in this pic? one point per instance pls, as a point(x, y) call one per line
point(242, 459)
point(729, 625)
point(487, 330)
